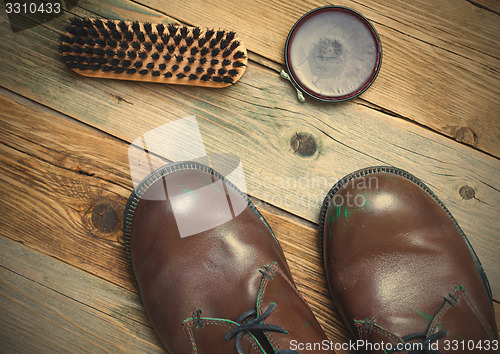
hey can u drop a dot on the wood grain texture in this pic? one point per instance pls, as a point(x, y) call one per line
point(256, 119)
point(490, 5)
point(440, 59)
point(57, 171)
point(50, 306)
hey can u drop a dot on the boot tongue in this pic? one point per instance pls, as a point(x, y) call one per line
point(280, 320)
point(291, 312)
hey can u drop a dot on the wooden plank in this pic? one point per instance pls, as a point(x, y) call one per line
point(257, 119)
point(490, 5)
point(440, 58)
point(442, 77)
point(440, 23)
point(54, 170)
point(57, 172)
point(56, 178)
point(49, 306)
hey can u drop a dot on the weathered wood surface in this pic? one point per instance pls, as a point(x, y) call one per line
point(65, 285)
point(65, 179)
point(256, 119)
point(49, 306)
point(490, 5)
point(441, 59)
point(57, 172)
point(57, 175)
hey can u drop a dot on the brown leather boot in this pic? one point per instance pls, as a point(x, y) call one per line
point(400, 269)
point(211, 274)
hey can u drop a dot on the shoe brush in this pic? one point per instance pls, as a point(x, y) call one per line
point(170, 54)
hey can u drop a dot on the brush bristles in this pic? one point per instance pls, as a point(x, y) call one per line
point(157, 53)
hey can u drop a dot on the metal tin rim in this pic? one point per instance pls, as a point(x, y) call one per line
point(310, 93)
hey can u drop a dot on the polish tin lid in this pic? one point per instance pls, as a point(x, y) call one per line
point(333, 54)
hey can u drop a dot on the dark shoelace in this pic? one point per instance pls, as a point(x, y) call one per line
point(427, 341)
point(255, 325)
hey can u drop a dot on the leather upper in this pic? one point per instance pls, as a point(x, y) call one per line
point(197, 280)
point(397, 264)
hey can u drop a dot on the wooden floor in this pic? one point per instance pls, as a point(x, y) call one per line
point(434, 110)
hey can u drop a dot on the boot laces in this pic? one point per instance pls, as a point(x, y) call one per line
point(255, 325)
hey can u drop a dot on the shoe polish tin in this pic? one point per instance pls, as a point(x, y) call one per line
point(332, 54)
